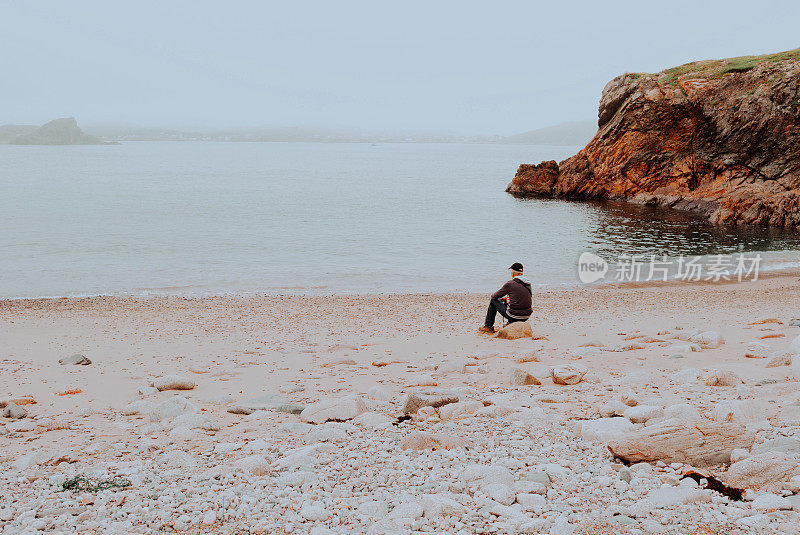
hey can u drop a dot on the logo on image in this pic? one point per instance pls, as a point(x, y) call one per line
point(591, 268)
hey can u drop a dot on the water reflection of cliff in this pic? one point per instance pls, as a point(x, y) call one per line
point(622, 228)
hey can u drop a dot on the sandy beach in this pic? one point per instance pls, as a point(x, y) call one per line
point(231, 453)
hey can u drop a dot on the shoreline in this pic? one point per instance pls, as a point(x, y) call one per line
point(777, 273)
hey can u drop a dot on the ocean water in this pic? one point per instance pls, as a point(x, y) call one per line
point(199, 218)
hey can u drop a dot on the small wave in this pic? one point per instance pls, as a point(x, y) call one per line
point(773, 264)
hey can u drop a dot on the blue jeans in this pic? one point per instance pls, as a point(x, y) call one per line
point(495, 306)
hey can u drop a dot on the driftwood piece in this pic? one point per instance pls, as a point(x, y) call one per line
point(415, 401)
point(697, 443)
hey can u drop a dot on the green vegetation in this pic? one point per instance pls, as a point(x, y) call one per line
point(83, 483)
point(716, 68)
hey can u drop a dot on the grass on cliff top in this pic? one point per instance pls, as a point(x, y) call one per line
point(715, 68)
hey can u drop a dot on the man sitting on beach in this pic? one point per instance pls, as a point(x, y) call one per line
point(512, 301)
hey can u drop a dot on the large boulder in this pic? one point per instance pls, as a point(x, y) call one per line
point(334, 409)
point(697, 443)
point(516, 330)
point(767, 472)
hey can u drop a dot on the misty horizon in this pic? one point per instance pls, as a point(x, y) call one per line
point(102, 127)
point(454, 68)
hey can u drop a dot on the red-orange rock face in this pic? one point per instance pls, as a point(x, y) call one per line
point(721, 138)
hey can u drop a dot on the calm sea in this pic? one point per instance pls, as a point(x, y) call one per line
point(200, 218)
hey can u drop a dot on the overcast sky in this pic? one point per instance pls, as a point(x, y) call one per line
point(465, 67)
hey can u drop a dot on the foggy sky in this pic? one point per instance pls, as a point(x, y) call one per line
point(465, 67)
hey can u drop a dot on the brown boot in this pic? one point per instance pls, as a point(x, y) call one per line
point(486, 330)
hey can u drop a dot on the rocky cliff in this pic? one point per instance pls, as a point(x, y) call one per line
point(59, 132)
point(719, 137)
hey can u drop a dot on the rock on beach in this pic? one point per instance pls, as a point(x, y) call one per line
point(521, 377)
point(515, 331)
point(568, 374)
point(174, 382)
point(766, 471)
point(697, 443)
point(77, 360)
point(334, 409)
point(14, 411)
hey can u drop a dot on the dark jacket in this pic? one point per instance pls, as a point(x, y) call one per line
point(518, 291)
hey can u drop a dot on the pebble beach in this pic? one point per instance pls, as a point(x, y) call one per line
point(668, 409)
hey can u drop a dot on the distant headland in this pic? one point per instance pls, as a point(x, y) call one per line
point(58, 132)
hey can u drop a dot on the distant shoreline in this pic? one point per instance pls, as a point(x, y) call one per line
point(568, 134)
point(324, 142)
